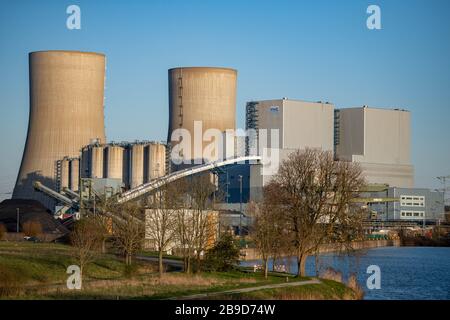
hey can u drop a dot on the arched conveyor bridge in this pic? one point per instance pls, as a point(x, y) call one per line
point(159, 182)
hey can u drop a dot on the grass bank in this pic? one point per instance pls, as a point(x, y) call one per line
point(326, 290)
point(38, 271)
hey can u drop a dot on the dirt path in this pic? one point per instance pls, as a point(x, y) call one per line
point(241, 290)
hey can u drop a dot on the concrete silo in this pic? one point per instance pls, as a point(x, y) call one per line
point(74, 174)
point(114, 162)
point(97, 161)
point(155, 161)
point(66, 113)
point(137, 165)
point(64, 174)
point(203, 94)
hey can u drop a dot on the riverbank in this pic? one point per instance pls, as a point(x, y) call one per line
point(252, 254)
point(38, 271)
point(411, 273)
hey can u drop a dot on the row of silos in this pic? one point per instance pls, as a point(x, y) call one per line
point(133, 163)
point(69, 173)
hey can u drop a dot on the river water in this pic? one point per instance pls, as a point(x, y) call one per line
point(413, 273)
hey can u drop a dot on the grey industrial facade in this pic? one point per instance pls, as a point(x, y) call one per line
point(415, 204)
point(376, 138)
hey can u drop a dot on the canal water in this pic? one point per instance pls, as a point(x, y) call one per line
point(407, 273)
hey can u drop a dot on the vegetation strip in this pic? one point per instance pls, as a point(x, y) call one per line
point(249, 289)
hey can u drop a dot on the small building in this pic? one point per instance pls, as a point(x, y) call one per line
point(211, 230)
point(414, 204)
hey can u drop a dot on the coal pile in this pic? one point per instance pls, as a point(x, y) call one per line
point(29, 210)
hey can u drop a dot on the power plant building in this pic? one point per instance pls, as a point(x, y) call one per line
point(204, 95)
point(66, 113)
point(299, 124)
point(378, 139)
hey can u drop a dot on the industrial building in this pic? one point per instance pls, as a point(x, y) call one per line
point(132, 163)
point(300, 125)
point(379, 140)
point(66, 113)
point(203, 94)
point(414, 204)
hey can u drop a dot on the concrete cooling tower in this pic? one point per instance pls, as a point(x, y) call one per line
point(201, 94)
point(66, 113)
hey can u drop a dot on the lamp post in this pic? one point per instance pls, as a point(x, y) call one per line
point(17, 219)
point(240, 206)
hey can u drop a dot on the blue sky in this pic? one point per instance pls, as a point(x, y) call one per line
point(315, 50)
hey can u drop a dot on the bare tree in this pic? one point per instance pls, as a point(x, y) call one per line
point(262, 233)
point(161, 219)
point(315, 194)
point(196, 227)
point(128, 228)
point(102, 217)
point(268, 231)
point(185, 236)
point(86, 241)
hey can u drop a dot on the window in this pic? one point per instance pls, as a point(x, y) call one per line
point(412, 201)
point(412, 214)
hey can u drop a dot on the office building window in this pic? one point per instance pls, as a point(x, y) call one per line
point(412, 214)
point(412, 201)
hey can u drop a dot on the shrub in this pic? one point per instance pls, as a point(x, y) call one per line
point(223, 256)
point(10, 282)
point(32, 228)
point(2, 231)
point(331, 274)
point(130, 270)
point(353, 284)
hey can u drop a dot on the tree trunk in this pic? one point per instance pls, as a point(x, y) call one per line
point(81, 276)
point(160, 260)
point(266, 268)
point(104, 245)
point(301, 264)
point(188, 265)
point(316, 262)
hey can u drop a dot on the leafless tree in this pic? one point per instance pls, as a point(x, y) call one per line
point(315, 194)
point(268, 231)
point(195, 226)
point(161, 219)
point(102, 217)
point(86, 241)
point(128, 228)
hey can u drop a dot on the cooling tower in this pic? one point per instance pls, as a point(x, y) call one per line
point(201, 94)
point(66, 113)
